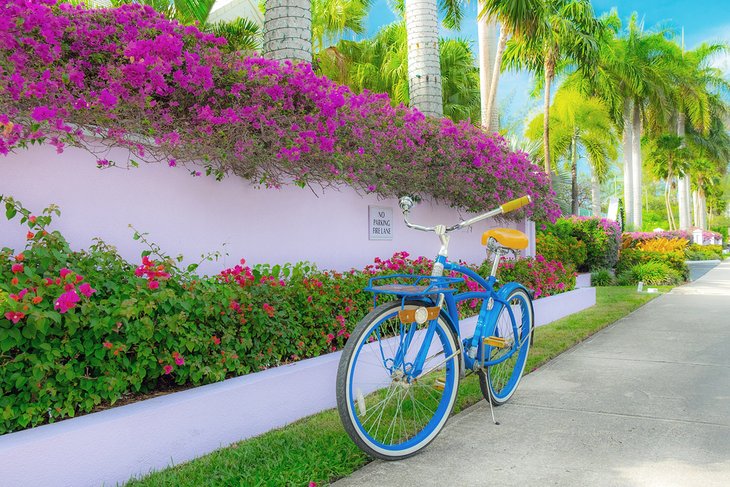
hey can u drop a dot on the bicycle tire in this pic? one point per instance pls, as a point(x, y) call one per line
point(422, 407)
point(499, 382)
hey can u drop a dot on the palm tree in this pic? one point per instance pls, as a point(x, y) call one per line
point(580, 124)
point(517, 18)
point(565, 35)
point(288, 30)
point(633, 76)
point(668, 158)
point(186, 11)
point(695, 81)
point(380, 64)
point(331, 19)
point(487, 33)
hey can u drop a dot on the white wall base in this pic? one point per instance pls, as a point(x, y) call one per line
point(111, 446)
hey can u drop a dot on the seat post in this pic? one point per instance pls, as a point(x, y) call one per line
point(498, 253)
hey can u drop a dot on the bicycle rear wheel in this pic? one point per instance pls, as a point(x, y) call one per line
point(500, 381)
point(388, 410)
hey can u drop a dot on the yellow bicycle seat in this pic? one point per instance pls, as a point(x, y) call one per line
point(506, 237)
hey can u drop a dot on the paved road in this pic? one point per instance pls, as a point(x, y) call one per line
point(645, 402)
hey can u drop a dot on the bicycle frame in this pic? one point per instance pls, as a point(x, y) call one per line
point(472, 351)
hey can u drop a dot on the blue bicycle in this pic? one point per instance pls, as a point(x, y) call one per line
point(399, 372)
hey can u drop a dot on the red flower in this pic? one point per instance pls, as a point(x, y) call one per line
point(86, 289)
point(167, 369)
point(32, 218)
point(268, 309)
point(29, 235)
point(14, 281)
point(16, 268)
point(20, 257)
point(14, 316)
point(216, 340)
point(37, 299)
point(153, 284)
point(107, 345)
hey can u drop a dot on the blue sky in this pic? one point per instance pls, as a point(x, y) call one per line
point(703, 20)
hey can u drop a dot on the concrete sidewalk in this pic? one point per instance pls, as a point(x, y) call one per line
point(645, 402)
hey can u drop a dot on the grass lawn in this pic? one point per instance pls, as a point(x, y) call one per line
point(317, 449)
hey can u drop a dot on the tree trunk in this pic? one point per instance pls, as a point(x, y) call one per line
point(628, 166)
point(549, 71)
point(487, 34)
point(636, 168)
point(595, 193)
point(492, 100)
point(574, 175)
point(288, 30)
point(696, 208)
point(424, 68)
point(702, 208)
point(682, 183)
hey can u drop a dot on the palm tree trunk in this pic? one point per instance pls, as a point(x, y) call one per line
point(492, 100)
point(424, 68)
point(696, 208)
point(546, 124)
point(487, 35)
point(702, 208)
point(628, 137)
point(288, 30)
point(682, 183)
point(574, 175)
point(636, 169)
point(595, 193)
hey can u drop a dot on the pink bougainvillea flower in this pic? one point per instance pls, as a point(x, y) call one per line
point(29, 235)
point(32, 218)
point(216, 340)
point(153, 284)
point(107, 345)
point(312, 484)
point(79, 278)
point(19, 258)
point(86, 289)
point(63, 273)
point(180, 360)
point(268, 309)
point(66, 301)
point(14, 316)
point(167, 369)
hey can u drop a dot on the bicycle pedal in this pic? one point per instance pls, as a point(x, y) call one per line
point(439, 384)
point(493, 341)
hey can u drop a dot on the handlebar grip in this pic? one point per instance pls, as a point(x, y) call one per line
point(516, 204)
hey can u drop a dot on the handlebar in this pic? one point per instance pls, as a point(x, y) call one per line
point(406, 203)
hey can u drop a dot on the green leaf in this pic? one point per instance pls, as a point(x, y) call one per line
point(10, 211)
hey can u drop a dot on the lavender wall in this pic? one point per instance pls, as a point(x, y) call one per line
point(193, 216)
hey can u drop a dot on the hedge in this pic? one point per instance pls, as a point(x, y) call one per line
point(79, 329)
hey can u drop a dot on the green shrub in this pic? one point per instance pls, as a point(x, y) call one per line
point(602, 277)
point(632, 257)
point(562, 248)
point(80, 329)
point(704, 252)
point(654, 273)
point(601, 237)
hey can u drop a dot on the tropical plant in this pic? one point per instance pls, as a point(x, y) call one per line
point(271, 123)
point(579, 123)
point(331, 19)
point(565, 35)
point(632, 74)
point(380, 65)
point(241, 34)
point(517, 19)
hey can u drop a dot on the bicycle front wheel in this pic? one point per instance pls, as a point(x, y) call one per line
point(390, 404)
point(500, 381)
